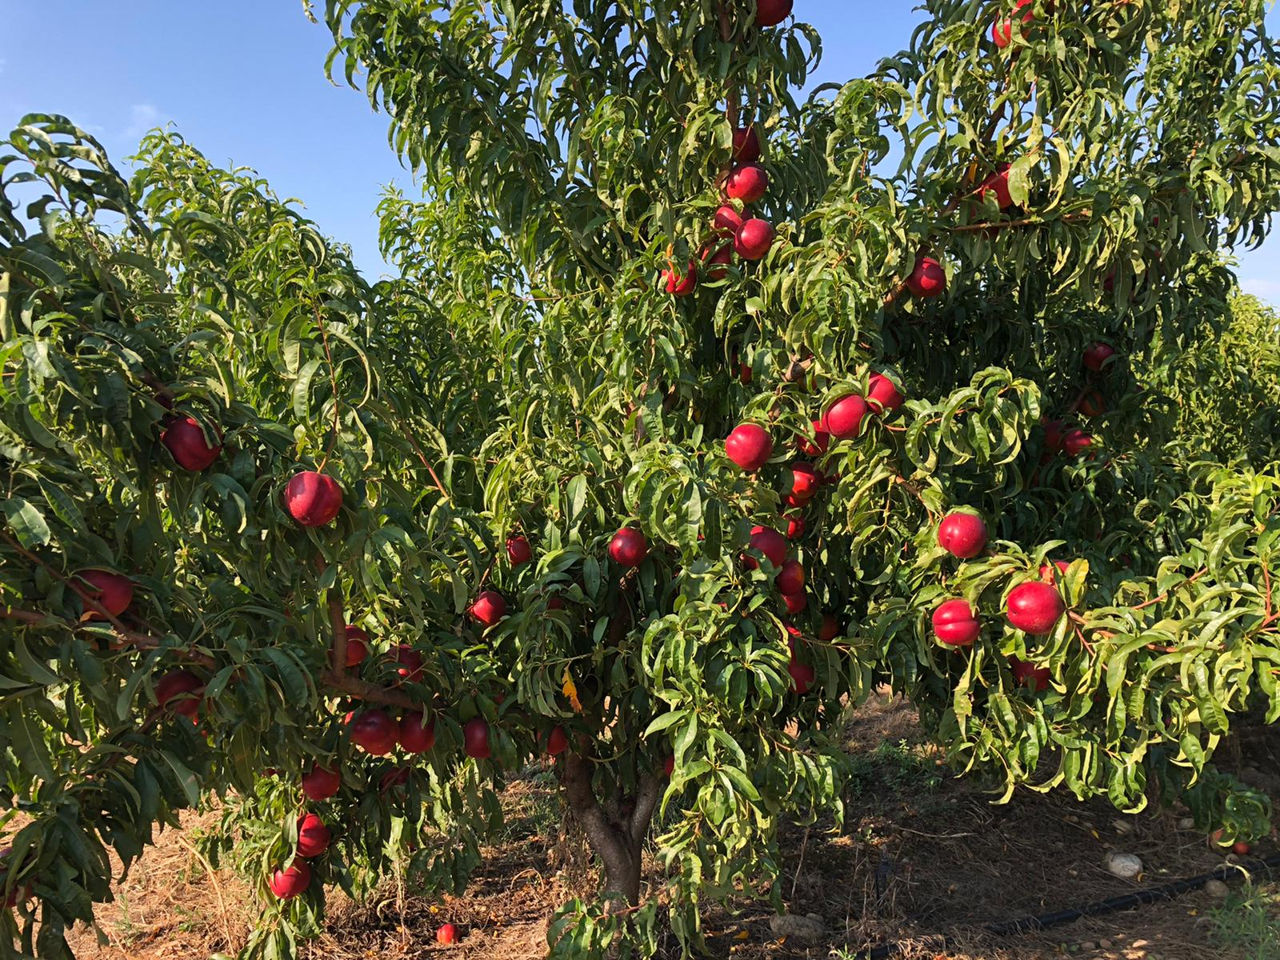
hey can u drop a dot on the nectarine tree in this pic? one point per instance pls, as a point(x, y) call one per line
point(227, 456)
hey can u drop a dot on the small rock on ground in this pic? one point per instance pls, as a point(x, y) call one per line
point(808, 929)
point(1217, 889)
point(1124, 865)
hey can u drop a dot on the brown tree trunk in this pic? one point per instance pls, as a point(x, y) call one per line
point(616, 837)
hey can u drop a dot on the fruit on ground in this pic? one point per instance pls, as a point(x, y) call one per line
point(962, 534)
point(753, 239)
point(747, 182)
point(681, 285)
point(746, 144)
point(770, 13)
point(447, 934)
point(727, 220)
point(818, 445)
point(1034, 607)
point(882, 394)
point(417, 732)
point(1002, 29)
point(749, 446)
point(1096, 354)
point(1076, 442)
point(488, 608)
point(557, 741)
point(518, 551)
point(374, 732)
point(313, 499)
point(291, 881)
point(187, 443)
point(319, 783)
point(1241, 849)
point(998, 185)
point(357, 646)
point(769, 542)
point(113, 591)
point(178, 691)
point(843, 419)
point(475, 738)
point(628, 548)
point(1029, 675)
point(795, 526)
point(927, 279)
point(805, 482)
point(955, 625)
point(410, 663)
point(313, 836)
point(790, 578)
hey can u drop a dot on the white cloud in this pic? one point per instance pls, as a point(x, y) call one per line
point(1262, 288)
point(142, 117)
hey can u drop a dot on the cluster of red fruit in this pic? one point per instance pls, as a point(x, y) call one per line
point(1060, 437)
point(1002, 29)
point(1034, 607)
point(313, 841)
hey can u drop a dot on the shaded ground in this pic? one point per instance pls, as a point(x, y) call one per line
point(923, 857)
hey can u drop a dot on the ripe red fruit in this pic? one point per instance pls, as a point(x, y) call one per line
point(716, 267)
point(1096, 354)
point(557, 741)
point(962, 535)
point(1241, 849)
point(1046, 570)
point(795, 602)
point(518, 551)
point(447, 934)
point(395, 777)
point(186, 441)
point(795, 526)
point(746, 182)
point(1076, 442)
point(410, 663)
point(1029, 675)
point(726, 221)
point(927, 279)
point(1091, 404)
point(475, 738)
point(628, 548)
point(290, 882)
point(680, 285)
point(178, 691)
point(1002, 29)
point(843, 419)
point(22, 892)
point(1034, 607)
point(754, 239)
point(374, 732)
point(313, 836)
point(746, 145)
point(882, 394)
point(112, 591)
point(830, 628)
point(320, 784)
point(769, 542)
point(998, 184)
point(313, 499)
point(770, 13)
point(955, 625)
point(488, 608)
point(802, 676)
point(805, 482)
point(417, 732)
point(1053, 434)
point(669, 766)
point(749, 446)
point(790, 578)
point(357, 646)
point(818, 445)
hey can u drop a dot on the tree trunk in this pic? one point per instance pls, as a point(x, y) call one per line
point(617, 839)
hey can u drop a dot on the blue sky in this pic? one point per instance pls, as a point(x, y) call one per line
point(244, 82)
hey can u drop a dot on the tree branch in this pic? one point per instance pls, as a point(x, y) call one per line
point(646, 803)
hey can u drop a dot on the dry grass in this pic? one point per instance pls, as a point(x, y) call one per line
point(925, 860)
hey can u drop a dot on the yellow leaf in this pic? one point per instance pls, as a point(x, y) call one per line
point(571, 691)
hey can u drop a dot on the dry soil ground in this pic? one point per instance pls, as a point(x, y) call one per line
point(924, 859)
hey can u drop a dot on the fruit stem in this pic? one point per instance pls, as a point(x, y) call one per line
point(1165, 596)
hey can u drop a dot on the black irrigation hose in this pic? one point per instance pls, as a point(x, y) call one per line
point(1151, 895)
